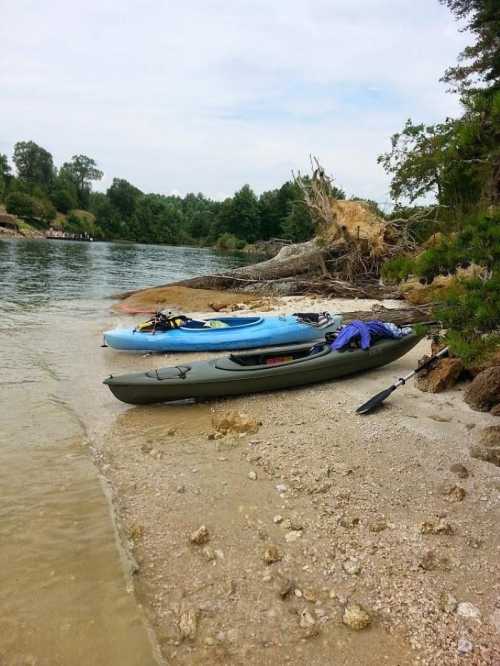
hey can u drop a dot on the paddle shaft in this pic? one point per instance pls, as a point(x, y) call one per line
point(402, 380)
point(379, 398)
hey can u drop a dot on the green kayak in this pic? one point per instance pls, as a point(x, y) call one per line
point(254, 371)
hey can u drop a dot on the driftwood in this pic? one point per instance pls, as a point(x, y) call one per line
point(399, 316)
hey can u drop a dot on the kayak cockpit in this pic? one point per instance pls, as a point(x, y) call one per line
point(220, 322)
point(261, 359)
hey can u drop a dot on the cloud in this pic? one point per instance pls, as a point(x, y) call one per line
point(206, 95)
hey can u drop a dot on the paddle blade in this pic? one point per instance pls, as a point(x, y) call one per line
point(375, 401)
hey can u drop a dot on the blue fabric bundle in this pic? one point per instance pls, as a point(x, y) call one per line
point(366, 332)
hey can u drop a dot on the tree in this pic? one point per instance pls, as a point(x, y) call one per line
point(245, 219)
point(123, 197)
point(480, 62)
point(34, 164)
point(298, 226)
point(81, 171)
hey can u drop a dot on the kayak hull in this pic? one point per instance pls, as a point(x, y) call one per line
point(240, 333)
point(205, 380)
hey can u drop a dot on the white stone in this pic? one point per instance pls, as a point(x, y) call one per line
point(466, 609)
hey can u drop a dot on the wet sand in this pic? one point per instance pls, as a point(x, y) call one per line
point(361, 509)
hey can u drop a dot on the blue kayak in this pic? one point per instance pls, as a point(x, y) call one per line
point(224, 333)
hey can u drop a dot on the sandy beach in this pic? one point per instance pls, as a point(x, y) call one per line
point(315, 513)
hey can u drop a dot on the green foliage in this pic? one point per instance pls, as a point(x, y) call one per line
point(298, 225)
point(81, 172)
point(471, 313)
point(479, 62)
point(398, 269)
point(123, 197)
point(29, 207)
point(229, 242)
point(34, 164)
point(23, 205)
point(63, 199)
point(244, 216)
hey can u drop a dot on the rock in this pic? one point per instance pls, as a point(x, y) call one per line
point(460, 470)
point(453, 493)
point(495, 619)
point(441, 377)
point(428, 561)
point(278, 519)
point(306, 620)
point(484, 391)
point(208, 554)
point(181, 489)
point(235, 422)
point(495, 411)
point(172, 432)
point(272, 554)
point(188, 623)
point(352, 567)
point(293, 535)
point(464, 646)
point(377, 526)
point(488, 446)
point(284, 586)
point(447, 602)
point(252, 476)
point(200, 536)
point(468, 610)
point(442, 527)
point(356, 617)
point(281, 488)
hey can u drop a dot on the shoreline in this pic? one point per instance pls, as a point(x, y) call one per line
point(358, 489)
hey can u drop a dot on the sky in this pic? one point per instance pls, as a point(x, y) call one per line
point(207, 95)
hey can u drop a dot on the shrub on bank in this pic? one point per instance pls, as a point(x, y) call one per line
point(228, 242)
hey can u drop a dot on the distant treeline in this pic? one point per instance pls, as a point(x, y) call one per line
point(44, 195)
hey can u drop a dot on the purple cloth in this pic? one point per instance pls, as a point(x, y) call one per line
point(366, 331)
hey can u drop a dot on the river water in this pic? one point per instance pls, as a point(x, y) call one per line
point(65, 598)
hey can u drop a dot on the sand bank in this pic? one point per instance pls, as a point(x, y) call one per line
point(387, 511)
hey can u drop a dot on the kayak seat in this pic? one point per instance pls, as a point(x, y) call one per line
point(228, 322)
point(264, 359)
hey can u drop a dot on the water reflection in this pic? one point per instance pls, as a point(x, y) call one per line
point(38, 271)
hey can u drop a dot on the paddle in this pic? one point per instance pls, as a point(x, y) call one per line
point(380, 397)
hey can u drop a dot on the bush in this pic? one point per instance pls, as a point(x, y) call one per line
point(229, 242)
point(23, 205)
point(399, 268)
point(63, 200)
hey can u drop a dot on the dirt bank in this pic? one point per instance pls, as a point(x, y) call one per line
point(387, 511)
point(181, 299)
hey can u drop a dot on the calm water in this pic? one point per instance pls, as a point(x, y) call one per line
point(64, 598)
point(37, 272)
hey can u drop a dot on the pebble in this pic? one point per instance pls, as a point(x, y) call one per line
point(356, 617)
point(306, 620)
point(181, 489)
point(272, 554)
point(377, 526)
point(281, 488)
point(460, 470)
point(352, 567)
point(298, 593)
point(447, 602)
point(466, 609)
point(293, 536)
point(278, 519)
point(188, 623)
point(464, 646)
point(252, 476)
point(200, 536)
point(209, 554)
point(284, 586)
